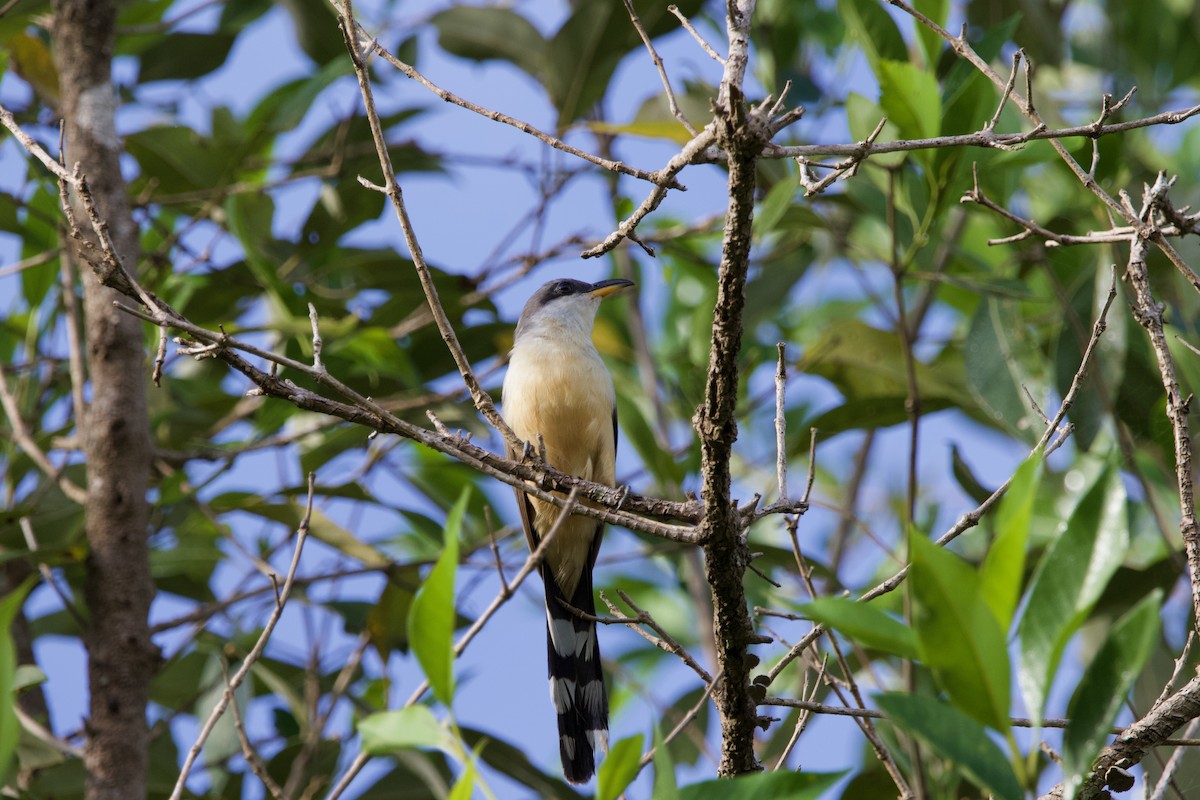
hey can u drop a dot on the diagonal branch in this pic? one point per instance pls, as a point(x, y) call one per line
point(483, 402)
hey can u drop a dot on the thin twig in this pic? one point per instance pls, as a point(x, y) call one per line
point(691, 714)
point(255, 652)
point(781, 421)
point(1016, 722)
point(24, 439)
point(48, 575)
point(248, 752)
point(658, 65)
point(687, 25)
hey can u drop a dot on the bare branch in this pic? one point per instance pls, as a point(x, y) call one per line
point(255, 652)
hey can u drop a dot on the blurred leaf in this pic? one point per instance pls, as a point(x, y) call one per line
point(957, 633)
point(418, 775)
point(184, 56)
point(872, 29)
point(1101, 692)
point(863, 115)
point(931, 42)
point(993, 365)
point(954, 736)
point(1003, 569)
point(387, 621)
point(619, 768)
point(10, 606)
point(386, 732)
point(910, 98)
point(464, 787)
point(431, 617)
point(1068, 581)
point(515, 764)
point(764, 786)
point(665, 787)
point(317, 30)
point(32, 60)
point(491, 32)
point(864, 623)
point(966, 477)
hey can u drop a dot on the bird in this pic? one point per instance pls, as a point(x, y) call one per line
point(559, 395)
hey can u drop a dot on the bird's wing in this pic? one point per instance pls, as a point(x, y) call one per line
point(526, 508)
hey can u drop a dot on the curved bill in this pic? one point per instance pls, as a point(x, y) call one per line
point(609, 287)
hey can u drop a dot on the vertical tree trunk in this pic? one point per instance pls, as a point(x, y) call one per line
point(725, 553)
point(116, 436)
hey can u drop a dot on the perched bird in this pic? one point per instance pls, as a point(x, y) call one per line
point(558, 389)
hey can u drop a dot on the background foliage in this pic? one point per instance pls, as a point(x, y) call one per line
point(920, 352)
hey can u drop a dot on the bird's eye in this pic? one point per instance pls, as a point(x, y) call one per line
point(562, 288)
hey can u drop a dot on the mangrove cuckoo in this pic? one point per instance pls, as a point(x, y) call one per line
point(559, 394)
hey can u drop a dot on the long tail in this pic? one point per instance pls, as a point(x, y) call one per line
point(576, 679)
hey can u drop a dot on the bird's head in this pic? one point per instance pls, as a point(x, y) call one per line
point(566, 305)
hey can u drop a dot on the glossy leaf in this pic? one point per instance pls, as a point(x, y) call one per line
point(957, 633)
point(956, 737)
point(764, 786)
point(1068, 581)
point(866, 624)
point(619, 768)
point(873, 30)
point(388, 731)
point(431, 617)
point(931, 42)
point(1003, 570)
point(992, 364)
point(665, 787)
point(911, 99)
point(1106, 681)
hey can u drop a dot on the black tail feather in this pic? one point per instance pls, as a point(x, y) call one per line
point(576, 678)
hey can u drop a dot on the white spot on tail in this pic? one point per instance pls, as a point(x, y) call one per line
point(598, 738)
point(562, 634)
point(593, 696)
point(562, 694)
point(585, 644)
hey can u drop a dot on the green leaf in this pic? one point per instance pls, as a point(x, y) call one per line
point(911, 99)
point(619, 768)
point(1069, 579)
point(9, 725)
point(863, 115)
point(1004, 567)
point(481, 33)
point(184, 56)
point(388, 731)
point(512, 762)
point(864, 623)
point(665, 787)
point(764, 786)
point(873, 29)
point(464, 787)
point(958, 635)
point(930, 41)
point(431, 618)
point(387, 621)
point(995, 372)
point(778, 199)
point(954, 736)
point(1106, 681)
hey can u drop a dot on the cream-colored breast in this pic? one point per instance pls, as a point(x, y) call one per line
point(563, 391)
